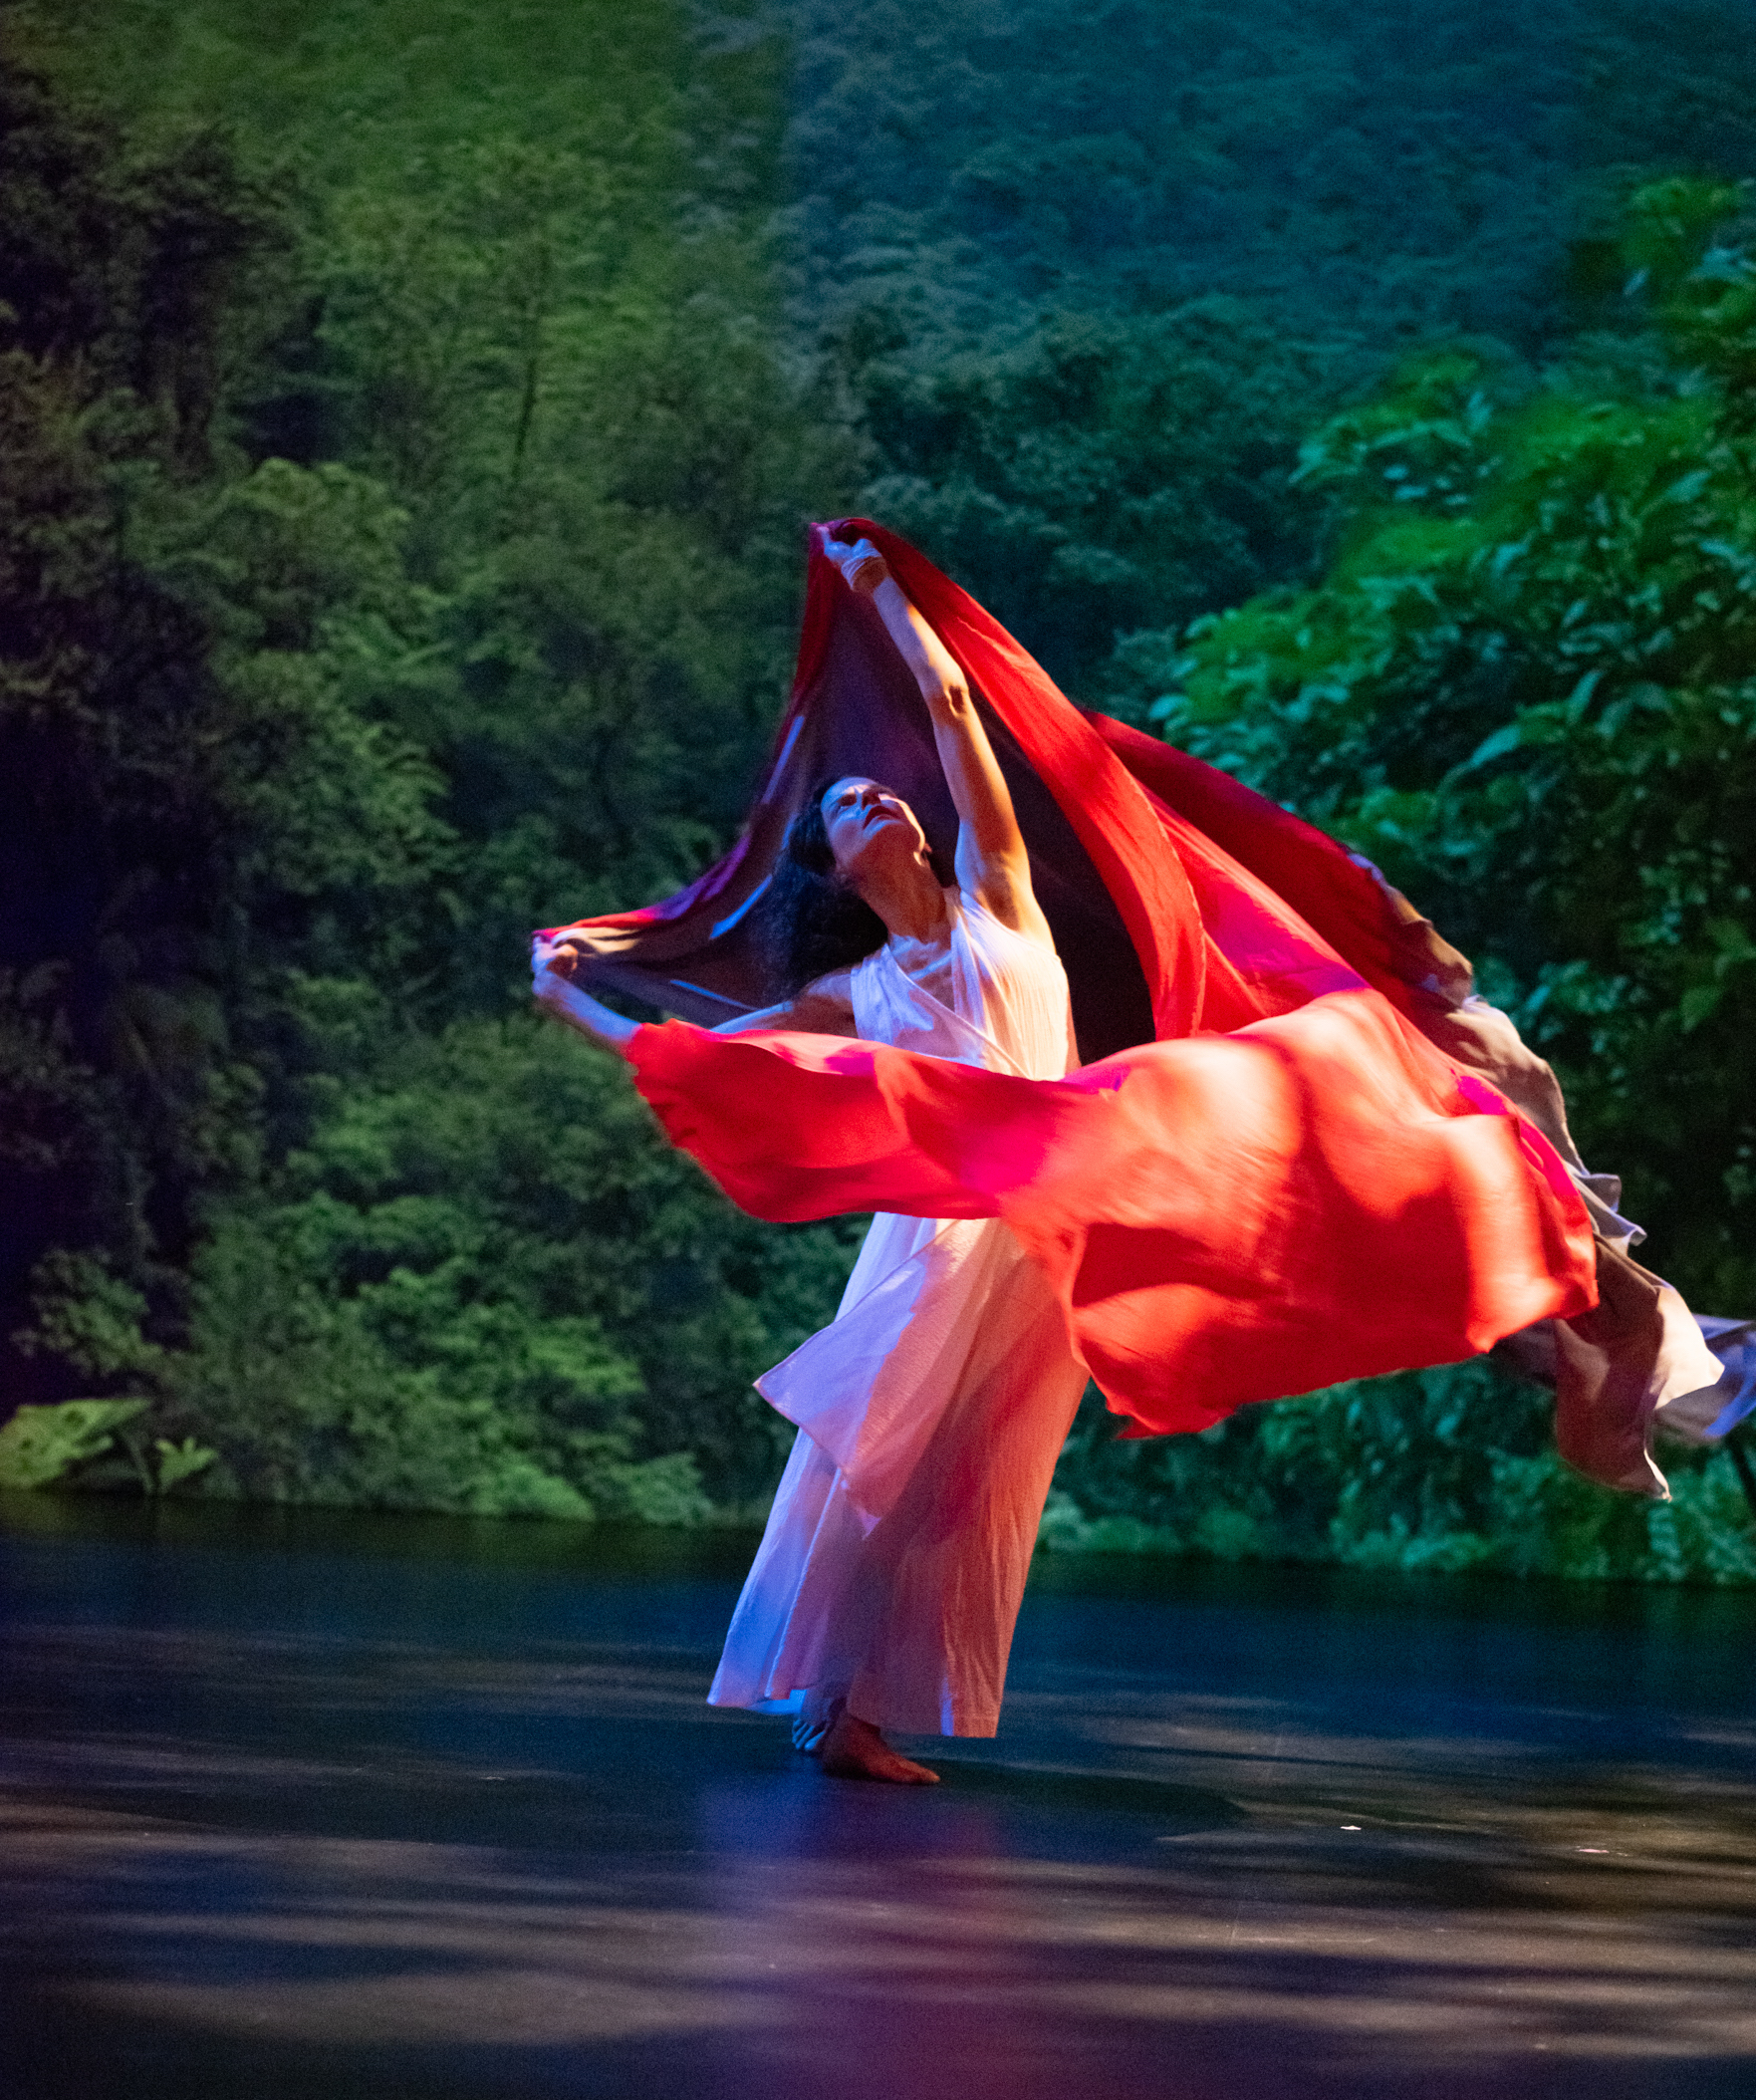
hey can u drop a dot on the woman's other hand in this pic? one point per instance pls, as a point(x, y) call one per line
point(551, 968)
point(553, 964)
point(571, 949)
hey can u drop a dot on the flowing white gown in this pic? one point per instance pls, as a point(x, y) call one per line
point(930, 1411)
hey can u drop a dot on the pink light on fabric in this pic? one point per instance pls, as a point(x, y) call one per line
point(1264, 1179)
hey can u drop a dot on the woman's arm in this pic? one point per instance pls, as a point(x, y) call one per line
point(825, 1007)
point(992, 864)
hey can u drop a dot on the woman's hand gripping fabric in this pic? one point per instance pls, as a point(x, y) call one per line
point(554, 967)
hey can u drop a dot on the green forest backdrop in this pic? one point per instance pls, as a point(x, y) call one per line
point(408, 413)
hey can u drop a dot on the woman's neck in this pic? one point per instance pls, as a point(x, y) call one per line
point(911, 905)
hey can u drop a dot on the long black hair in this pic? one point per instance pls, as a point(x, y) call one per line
point(817, 921)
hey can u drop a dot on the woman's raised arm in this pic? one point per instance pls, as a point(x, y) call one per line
point(992, 864)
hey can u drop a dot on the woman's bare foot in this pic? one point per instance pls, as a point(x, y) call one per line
point(809, 1732)
point(854, 1750)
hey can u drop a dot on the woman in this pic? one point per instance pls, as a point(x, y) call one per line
point(1283, 1160)
point(931, 1412)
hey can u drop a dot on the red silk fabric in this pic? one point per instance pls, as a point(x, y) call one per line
point(1284, 1185)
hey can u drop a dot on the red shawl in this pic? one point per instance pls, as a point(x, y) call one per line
point(1262, 1180)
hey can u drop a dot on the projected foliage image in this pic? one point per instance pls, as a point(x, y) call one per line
point(408, 420)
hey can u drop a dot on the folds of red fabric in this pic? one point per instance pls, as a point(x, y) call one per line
point(1341, 898)
point(1262, 1180)
point(1226, 1217)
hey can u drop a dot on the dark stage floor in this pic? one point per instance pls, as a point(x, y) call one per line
point(323, 1807)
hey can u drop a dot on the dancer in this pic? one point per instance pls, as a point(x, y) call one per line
point(934, 1408)
point(1294, 1153)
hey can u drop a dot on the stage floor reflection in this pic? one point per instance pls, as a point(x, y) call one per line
point(306, 1805)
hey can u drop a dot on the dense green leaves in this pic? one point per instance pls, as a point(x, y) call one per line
point(408, 414)
point(487, 1268)
point(1092, 268)
point(404, 546)
point(182, 768)
point(1101, 471)
point(1528, 689)
point(1444, 1471)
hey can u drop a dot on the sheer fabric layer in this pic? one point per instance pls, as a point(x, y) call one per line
point(1224, 1218)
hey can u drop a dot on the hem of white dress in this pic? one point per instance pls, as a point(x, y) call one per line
point(793, 1703)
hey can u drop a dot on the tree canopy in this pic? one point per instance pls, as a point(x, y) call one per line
point(408, 420)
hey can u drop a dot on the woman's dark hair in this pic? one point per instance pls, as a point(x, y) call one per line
point(817, 921)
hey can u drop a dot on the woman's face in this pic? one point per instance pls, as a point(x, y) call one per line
point(870, 829)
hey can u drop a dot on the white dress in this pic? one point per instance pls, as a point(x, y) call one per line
point(930, 1411)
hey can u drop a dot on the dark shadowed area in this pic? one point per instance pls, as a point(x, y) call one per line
point(319, 1803)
